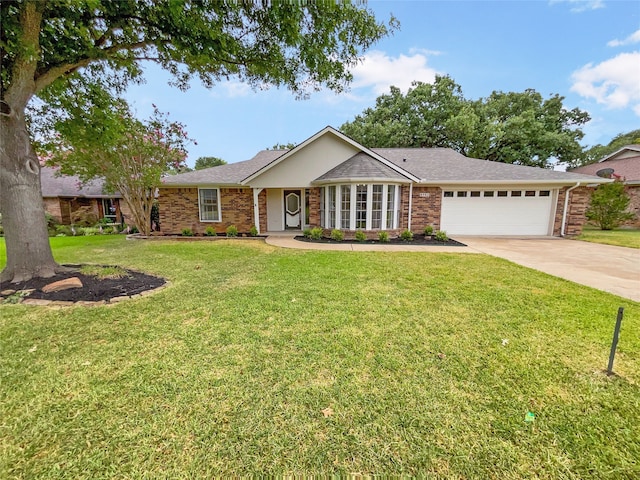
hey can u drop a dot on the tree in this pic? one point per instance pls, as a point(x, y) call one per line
point(598, 152)
point(609, 206)
point(44, 45)
point(208, 162)
point(100, 138)
point(283, 146)
point(520, 128)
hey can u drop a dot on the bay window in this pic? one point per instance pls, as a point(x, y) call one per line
point(359, 206)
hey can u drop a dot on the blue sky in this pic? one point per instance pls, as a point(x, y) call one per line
point(587, 51)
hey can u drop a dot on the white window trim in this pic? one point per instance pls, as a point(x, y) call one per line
point(218, 202)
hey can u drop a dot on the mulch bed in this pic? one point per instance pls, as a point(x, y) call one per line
point(417, 240)
point(93, 289)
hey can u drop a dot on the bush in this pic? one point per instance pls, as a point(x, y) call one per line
point(316, 233)
point(361, 236)
point(88, 231)
point(253, 231)
point(337, 235)
point(609, 204)
point(187, 232)
point(441, 236)
point(63, 231)
point(428, 231)
point(103, 221)
point(134, 229)
point(232, 231)
point(84, 217)
point(210, 231)
point(306, 233)
point(407, 236)
point(383, 237)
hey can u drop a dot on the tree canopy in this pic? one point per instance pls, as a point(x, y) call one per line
point(598, 152)
point(45, 46)
point(208, 162)
point(519, 128)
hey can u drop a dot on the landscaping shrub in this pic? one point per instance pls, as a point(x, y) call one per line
point(253, 231)
point(316, 233)
point(361, 236)
point(441, 236)
point(88, 231)
point(337, 235)
point(63, 231)
point(383, 237)
point(232, 231)
point(306, 233)
point(187, 232)
point(84, 217)
point(210, 231)
point(428, 231)
point(609, 206)
point(407, 236)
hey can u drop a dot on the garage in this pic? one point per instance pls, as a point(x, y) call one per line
point(498, 212)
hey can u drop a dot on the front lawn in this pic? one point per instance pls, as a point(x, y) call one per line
point(623, 237)
point(285, 362)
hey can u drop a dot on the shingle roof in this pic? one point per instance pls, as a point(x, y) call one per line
point(230, 174)
point(628, 168)
point(442, 165)
point(70, 186)
point(361, 166)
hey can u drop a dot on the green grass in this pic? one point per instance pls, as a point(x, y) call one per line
point(623, 237)
point(227, 371)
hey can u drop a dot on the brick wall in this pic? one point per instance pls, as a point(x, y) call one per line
point(52, 207)
point(426, 208)
point(634, 206)
point(179, 210)
point(314, 206)
point(578, 203)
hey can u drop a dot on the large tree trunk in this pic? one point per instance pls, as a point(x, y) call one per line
point(25, 228)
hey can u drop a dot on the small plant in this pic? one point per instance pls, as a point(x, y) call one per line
point(134, 229)
point(16, 297)
point(383, 237)
point(337, 235)
point(316, 233)
point(187, 232)
point(89, 231)
point(441, 236)
point(306, 233)
point(210, 231)
point(407, 236)
point(232, 231)
point(253, 231)
point(428, 231)
point(100, 271)
point(63, 231)
point(361, 236)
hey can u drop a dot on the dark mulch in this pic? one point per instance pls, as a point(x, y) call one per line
point(94, 289)
point(417, 240)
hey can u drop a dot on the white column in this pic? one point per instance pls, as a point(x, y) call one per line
point(256, 209)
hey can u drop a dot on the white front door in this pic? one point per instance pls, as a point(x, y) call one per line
point(292, 208)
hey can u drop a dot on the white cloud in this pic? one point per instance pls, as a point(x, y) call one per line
point(613, 83)
point(379, 71)
point(579, 6)
point(236, 89)
point(630, 40)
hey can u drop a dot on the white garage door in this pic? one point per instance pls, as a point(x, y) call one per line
point(497, 212)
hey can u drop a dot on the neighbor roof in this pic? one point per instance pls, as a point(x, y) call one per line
point(55, 185)
point(627, 167)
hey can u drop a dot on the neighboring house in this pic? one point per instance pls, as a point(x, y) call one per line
point(623, 165)
point(331, 181)
point(63, 195)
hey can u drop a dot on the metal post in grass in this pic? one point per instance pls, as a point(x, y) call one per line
point(614, 343)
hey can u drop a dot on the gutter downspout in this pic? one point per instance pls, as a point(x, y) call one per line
point(566, 205)
point(410, 205)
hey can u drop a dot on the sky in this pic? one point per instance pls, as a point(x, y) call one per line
point(587, 51)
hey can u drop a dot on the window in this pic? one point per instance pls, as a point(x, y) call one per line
point(545, 193)
point(448, 194)
point(209, 200)
point(530, 193)
point(391, 200)
point(345, 206)
point(488, 193)
point(361, 206)
point(475, 194)
point(516, 193)
point(376, 207)
point(502, 193)
point(462, 194)
point(109, 209)
point(332, 206)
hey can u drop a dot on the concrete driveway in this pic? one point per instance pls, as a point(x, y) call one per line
point(605, 267)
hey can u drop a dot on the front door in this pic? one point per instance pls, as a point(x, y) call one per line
point(292, 210)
